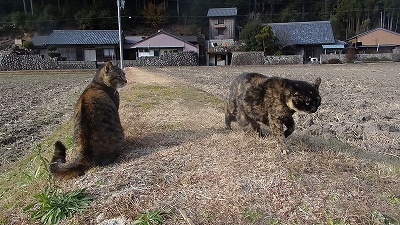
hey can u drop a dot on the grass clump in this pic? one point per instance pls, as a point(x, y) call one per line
point(152, 217)
point(52, 206)
point(252, 215)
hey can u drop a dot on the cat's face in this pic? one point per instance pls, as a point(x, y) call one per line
point(113, 76)
point(305, 96)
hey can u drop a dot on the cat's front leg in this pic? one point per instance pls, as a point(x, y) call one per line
point(289, 127)
point(277, 131)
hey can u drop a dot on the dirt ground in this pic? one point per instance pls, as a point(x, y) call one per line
point(360, 102)
point(33, 104)
point(181, 160)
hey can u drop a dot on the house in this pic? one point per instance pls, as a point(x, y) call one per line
point(160, 43)
point(222, 34)
point(222, 23)
point(129, 54)
point(376, 40)
point(310, 39)
point(38, 42)
point(81, 45)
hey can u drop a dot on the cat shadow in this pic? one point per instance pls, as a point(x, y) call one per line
point(150, 143)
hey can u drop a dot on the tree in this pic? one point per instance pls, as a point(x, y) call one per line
point(248, 36)
point(267, 38)
point(18, 20)
point(52, 51)
point(28, 46)
point(155, 15)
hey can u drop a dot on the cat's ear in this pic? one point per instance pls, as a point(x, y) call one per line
point(317, 82)
point(108, 66)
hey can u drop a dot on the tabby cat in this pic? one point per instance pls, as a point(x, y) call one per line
point(255, 98)
point(98, 134)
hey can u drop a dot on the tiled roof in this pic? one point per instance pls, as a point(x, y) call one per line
point(163, 43)
point(302, 33)
point(38, 40)
point(83, 37)
point(219, 12)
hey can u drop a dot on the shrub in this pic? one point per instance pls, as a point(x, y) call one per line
point(53, 54)
point(334, 61)
point(51, 48)
point(385, 59)
point(350, 54)
point(28, 45)
point(372, 59)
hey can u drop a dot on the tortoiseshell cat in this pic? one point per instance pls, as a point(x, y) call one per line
point(98, 134)
point(257, 98)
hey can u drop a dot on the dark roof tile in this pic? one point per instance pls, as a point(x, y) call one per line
point(317, 32)
point(220, 12)
point(38, 40)
point(83, 37)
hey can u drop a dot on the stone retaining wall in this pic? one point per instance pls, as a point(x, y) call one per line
point(258, 58)
point(395, 56)
point(247, 58)
point(10, 61)
point(283, 59)
point(26, 62)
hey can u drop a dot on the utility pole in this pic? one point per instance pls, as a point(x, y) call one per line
point(120, 4)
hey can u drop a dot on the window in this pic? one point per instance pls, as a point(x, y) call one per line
point(108, 52)
point(220, 32)
point(220, 21)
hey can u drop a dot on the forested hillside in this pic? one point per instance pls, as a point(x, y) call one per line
point(349, 17)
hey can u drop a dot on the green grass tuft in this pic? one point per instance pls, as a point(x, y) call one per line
point(152, 217)
point(52, 206)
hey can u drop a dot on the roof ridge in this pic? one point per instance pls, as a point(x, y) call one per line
point(305, 22)
point(164, 32)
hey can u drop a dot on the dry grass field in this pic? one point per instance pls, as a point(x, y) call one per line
point(344, 167)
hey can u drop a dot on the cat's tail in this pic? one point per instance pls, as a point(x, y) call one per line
point(58, 166)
